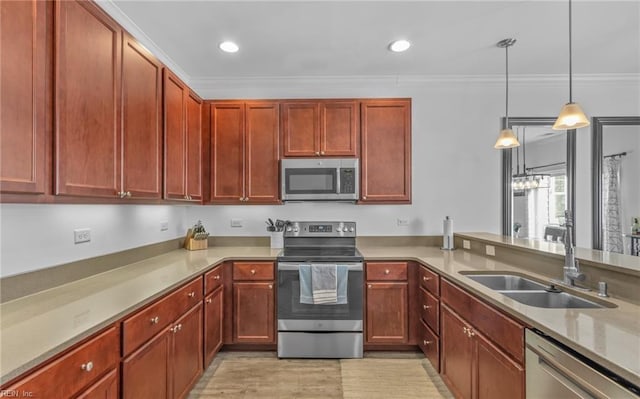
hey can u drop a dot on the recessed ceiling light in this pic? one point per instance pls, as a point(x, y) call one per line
point(399, 46)
point(229, 47)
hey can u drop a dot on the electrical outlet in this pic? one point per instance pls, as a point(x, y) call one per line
point(236, 222)
point(490, 250)
point(466, 244)
point(403, 222)
point(81, 235)
point(164, 226)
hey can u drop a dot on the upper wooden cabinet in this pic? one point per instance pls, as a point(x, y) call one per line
point(24, 96)
point(141, 121)
point(320, 128)
point(244, 152)
point(87, 101)
point(386, 151)
point(183, 141)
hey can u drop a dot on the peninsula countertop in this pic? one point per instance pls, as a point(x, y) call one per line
point(37, 327)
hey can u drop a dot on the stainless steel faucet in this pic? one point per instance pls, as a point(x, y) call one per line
point(571, 268)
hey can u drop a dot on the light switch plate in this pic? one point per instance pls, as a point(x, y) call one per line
point(164, 226)
point(236, 222)
point(490, 250)
point(466, 244)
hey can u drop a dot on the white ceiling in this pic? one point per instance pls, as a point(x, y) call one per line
point(350, 38)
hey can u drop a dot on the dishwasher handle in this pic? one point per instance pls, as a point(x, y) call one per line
point(559, 376)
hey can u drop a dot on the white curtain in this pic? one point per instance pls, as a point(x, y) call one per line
point(611, 223)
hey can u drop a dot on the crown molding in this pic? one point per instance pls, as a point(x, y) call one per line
point(207, 84)
point(117, 14)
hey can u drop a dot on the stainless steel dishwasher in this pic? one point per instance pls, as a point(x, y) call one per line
point(555, 371)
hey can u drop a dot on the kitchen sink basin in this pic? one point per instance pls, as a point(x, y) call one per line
point(501, 282)
point(544, 299)
point(532, 293)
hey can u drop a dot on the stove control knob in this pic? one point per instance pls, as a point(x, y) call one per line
point(351, 229)
point(338, 229)
point(289, 229)
point(295, 230)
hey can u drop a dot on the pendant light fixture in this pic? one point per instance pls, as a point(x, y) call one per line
point(571, 115)
point(506, 139)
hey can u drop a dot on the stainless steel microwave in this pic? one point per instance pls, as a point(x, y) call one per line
point(320, 179)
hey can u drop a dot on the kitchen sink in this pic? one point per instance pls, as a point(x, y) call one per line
point(544, 299)
point(501, 282)
point(532, 293)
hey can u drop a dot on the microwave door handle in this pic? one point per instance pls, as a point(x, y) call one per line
point(338, 180)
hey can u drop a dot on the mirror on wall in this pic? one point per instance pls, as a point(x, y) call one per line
point(616, 184)
point(538, 180)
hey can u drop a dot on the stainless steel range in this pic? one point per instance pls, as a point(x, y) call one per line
point(325, 328)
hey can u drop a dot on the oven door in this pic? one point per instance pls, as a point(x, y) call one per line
point(296, 316)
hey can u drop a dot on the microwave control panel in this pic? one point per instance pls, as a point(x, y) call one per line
point(347, 180)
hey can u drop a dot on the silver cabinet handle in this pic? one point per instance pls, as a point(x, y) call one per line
point(88, 366)
point(208, 300)
point(465, 330)
point(191, 294)
point(253, 272)
point(364, 197)
point(386, 271)
point(369, 286)
point(317, 153)
point(121, 194)
point(425, 307)
point(155, 320)
point(128, 194)
point(216, 277)
point(270, 286)
point(425, 342)
point(426, 278)
point(322, 152)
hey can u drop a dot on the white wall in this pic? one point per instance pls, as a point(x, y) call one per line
point(38, 236)
point(455, 169)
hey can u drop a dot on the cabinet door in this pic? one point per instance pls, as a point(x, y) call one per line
point(497, 375)
point(227, 152)
point(386, 151)
point(456, 361)
point(194, 147)
point(301, 130)
point(213, 311)
point(23, 96)
point(186, 359)
point(105, 388)
point(175, 93)
point(387, 313)
point(339, 128)
point(254, 313)
point(145, 374)
point(141, 121)
point(87, 98)
point(261, 153)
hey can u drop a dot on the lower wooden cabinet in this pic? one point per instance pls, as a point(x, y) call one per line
point(213, 324)
point(168, 364)
point(387, 313)
point(254, 312)
point(472, 366)
point(79, 371)
point(105, 388)
point(387, 303)
point(429, 343)
point(186, 352)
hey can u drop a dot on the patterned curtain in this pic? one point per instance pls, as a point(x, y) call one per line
point(611, 223)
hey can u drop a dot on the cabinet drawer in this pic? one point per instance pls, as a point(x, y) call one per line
point(146, 323)
point(253, 271)
point(499, 328)
point(429, 343)
point(430, 310)
point(66, 376)
point(213, 279)
point(396, 271)
point(429, 280)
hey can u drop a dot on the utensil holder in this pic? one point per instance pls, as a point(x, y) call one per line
point(277, 239)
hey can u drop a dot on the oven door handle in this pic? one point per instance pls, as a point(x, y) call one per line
point(352, 266)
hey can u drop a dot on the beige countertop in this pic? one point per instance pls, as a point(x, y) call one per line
point(36, 327)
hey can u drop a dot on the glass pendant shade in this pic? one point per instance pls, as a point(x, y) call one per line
point(571, 117)
point(507, 139)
